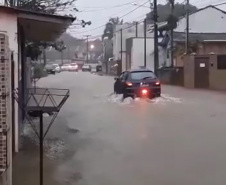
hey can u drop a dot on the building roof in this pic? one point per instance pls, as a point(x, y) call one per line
point(20, 10)
point(31, 22)
point(164, 25)
point(201, 37)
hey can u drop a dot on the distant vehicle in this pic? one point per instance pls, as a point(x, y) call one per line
point(73, 67)
point(99, 68)
point(50, 69)
point(138, 83)
point(86, 67)
point(57, 68)
point(65, 67)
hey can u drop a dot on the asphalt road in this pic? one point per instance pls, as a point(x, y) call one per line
point(177, 139)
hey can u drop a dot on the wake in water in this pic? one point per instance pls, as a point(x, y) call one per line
point(118, 98)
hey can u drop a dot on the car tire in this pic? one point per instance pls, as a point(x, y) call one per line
point(158, 95)
point(125, 95)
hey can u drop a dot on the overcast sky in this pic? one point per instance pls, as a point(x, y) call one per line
point(99, 11)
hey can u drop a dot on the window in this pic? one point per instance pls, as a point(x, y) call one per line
point(125, 77)
point(121, 76)
point(221, 62)
point(142, 74)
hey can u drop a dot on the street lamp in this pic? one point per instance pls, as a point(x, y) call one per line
point(92, 46)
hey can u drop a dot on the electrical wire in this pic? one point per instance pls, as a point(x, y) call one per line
point(110, 16)
point(223, 3)
point(96, 7)
point(130, 26)
point(202, 3)
point(107, 7)
point(101, 26)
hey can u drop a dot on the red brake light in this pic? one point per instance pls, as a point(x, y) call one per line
point(157, 83)
point(129, 84)
point(144, 91)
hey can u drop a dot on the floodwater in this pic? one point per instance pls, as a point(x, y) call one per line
point(98, 139)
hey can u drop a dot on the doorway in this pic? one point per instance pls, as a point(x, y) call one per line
point(201, 72)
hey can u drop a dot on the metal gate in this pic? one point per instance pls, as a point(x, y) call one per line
point(201, 72)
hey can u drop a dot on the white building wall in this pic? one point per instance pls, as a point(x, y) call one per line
point(209, 20)
point(8, 25)
point(126, 33)
point(137, 53)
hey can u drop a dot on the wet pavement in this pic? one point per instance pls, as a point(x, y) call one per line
point(97, 139)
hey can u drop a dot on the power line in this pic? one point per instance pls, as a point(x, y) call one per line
point(96, 7)
point(223, 3)
point(119, 18)
point(130, 26)
point(107, 7)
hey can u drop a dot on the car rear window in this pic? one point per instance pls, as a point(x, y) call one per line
point(65, 64)
point(141, 75)
point(73, 64)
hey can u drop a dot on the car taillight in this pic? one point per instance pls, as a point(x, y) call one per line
point(129, 84)
point(144, 92)
point(157, 83)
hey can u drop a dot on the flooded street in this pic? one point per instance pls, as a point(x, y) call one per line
point(97, 139)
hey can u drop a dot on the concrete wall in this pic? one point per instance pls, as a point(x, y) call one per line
point(208, 47)
point(217, 78)
point(8, 25)
point(189, 72)
point(126, 33)
point(203, 48)
point(199, 24)
point(5, 114)
point(137, 53)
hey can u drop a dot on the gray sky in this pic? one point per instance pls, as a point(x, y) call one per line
point(99, 11)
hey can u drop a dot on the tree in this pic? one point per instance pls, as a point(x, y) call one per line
point(110, 27)
point(34, 50)
point(46, 6)
point(165, 14)
point(60, 46)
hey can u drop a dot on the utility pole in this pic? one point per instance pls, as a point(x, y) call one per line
point(87, 47)
point(68, 54)
point(156, 51)
point(136, 29)
point(145, 42)
point(121, 44)
point(171, 36)
point(187, 28)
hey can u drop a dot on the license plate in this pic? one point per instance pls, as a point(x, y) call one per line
point(144, 85)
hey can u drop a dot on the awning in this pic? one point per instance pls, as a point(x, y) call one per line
point(40, 26)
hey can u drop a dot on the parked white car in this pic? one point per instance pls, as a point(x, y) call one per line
point(73, 67)
point(57, 68)
point(65, 67)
